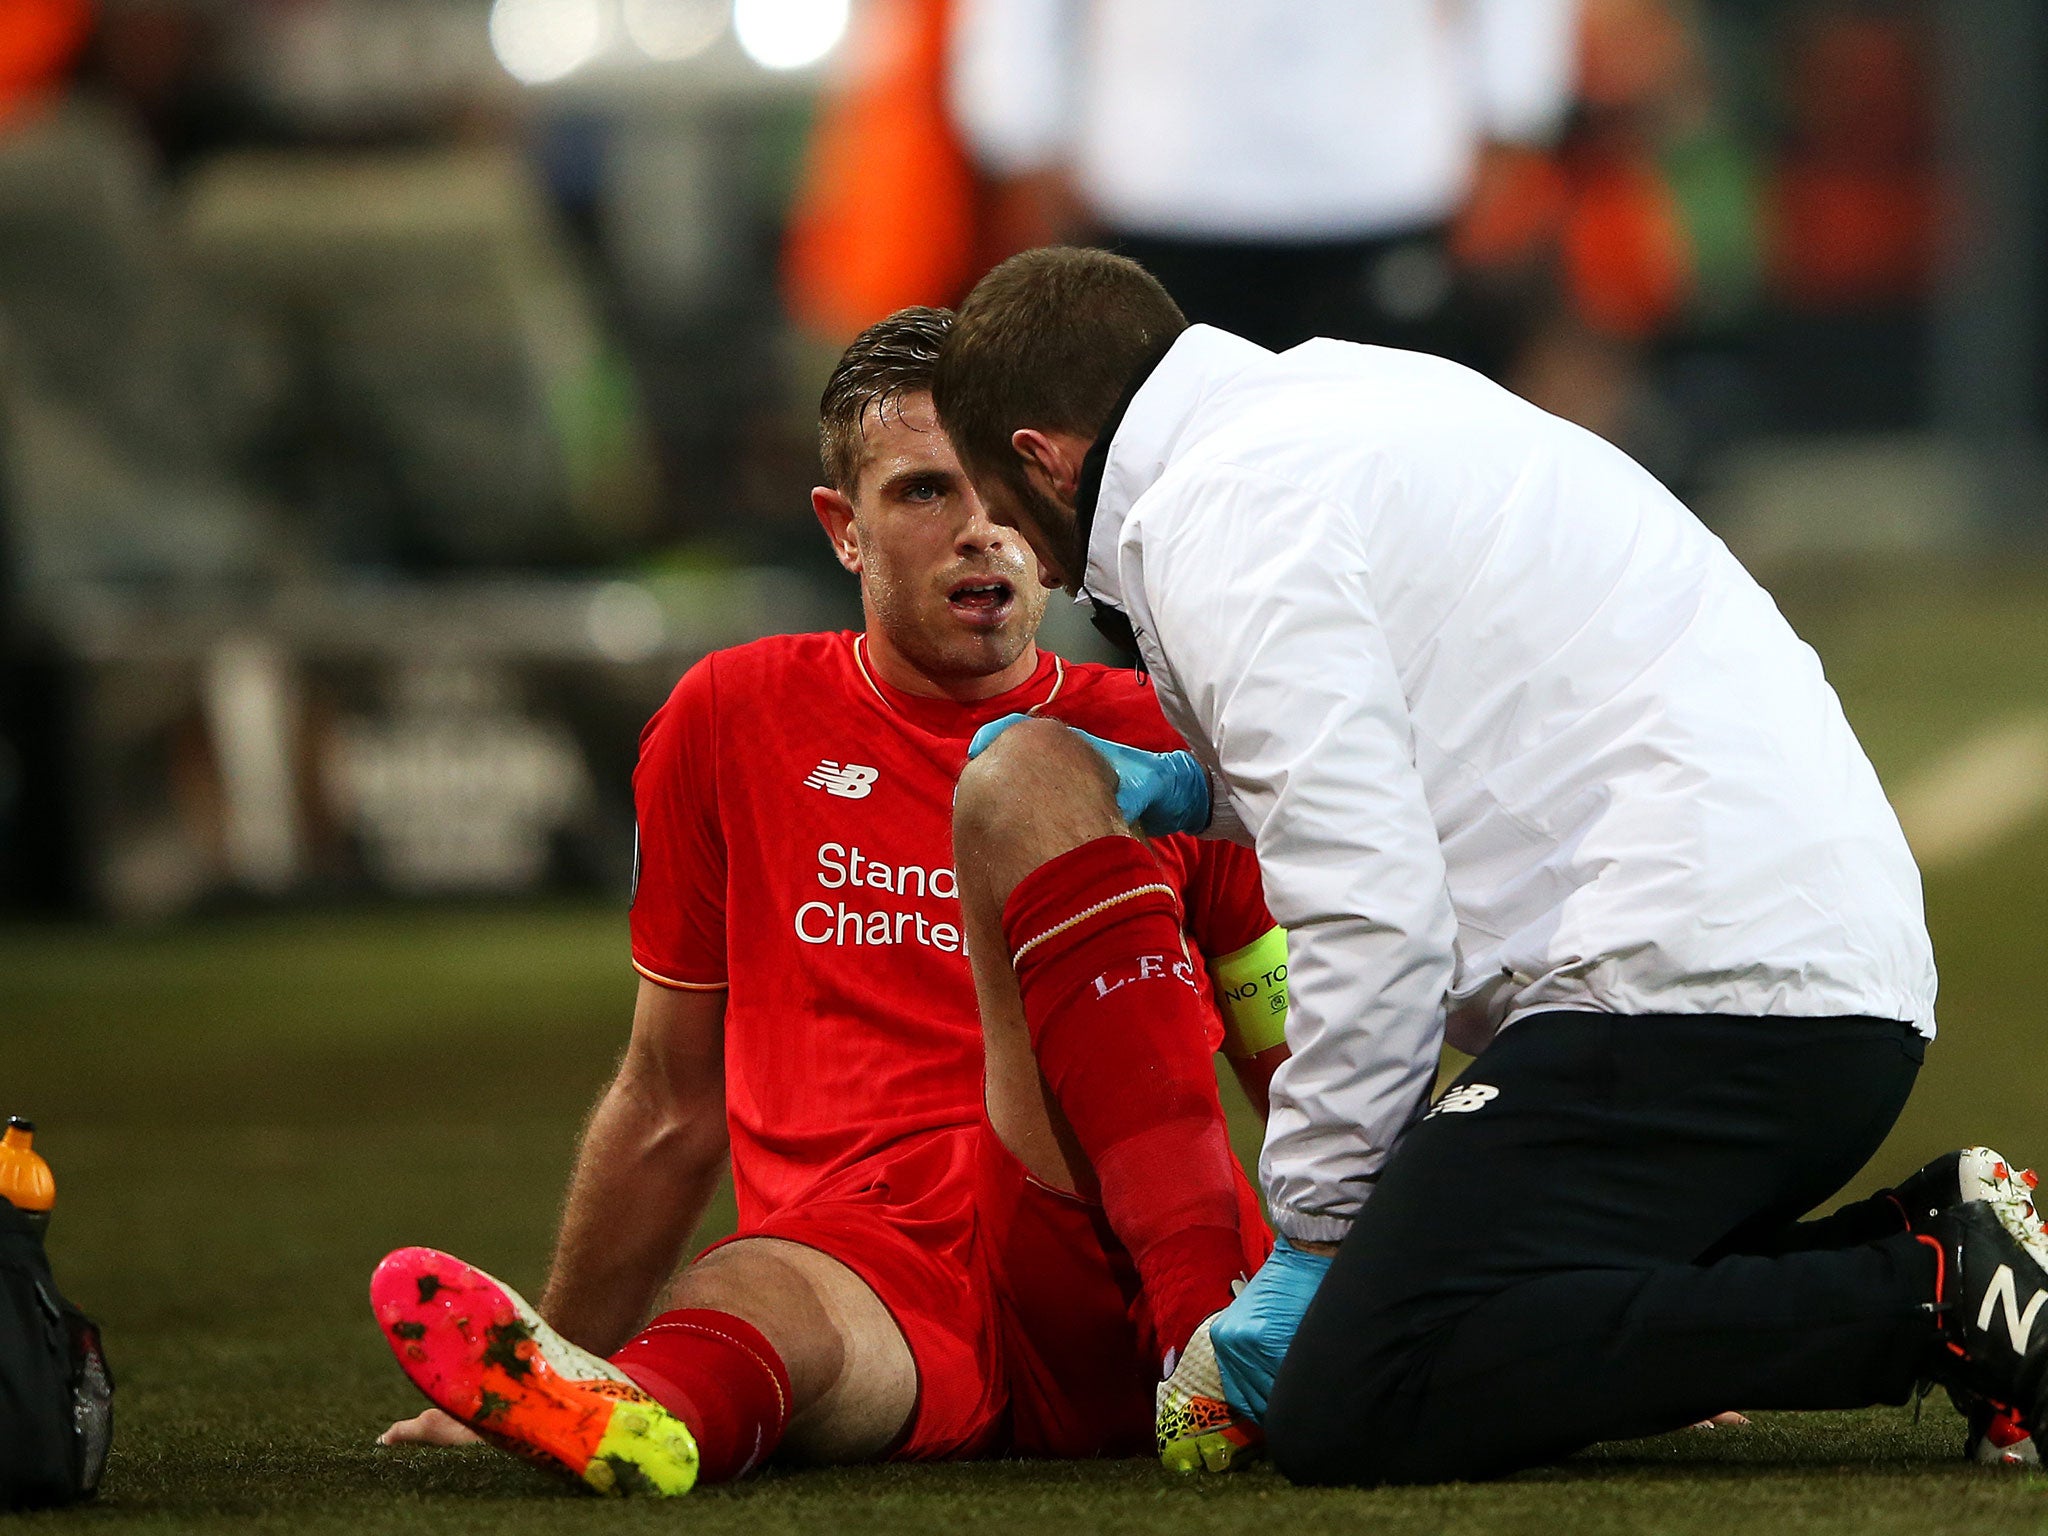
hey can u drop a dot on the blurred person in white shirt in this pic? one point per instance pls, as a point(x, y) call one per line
point(1286, 168)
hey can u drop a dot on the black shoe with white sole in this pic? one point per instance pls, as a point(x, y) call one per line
point(1992, 1293)
point(1997, 1434)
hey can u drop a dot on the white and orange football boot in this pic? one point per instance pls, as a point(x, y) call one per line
point(481, 1354)
point(1957, 1178)
point(1198, 1429)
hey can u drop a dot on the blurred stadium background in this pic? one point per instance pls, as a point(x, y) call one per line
point(397, 395)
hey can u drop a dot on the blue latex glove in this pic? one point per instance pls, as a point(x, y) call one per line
point(1252, 1335)
point(1162, 792)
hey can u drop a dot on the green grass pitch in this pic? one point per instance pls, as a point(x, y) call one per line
point(245, 1114)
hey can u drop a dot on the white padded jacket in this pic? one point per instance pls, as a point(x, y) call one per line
point(1508, 727)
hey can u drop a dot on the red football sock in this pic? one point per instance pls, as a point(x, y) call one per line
point(1121, 1033)
point(721, 1378)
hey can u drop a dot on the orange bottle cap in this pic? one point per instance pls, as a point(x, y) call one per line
point(25, 1179)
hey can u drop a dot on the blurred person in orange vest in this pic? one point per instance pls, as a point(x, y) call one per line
point(1853, 213)
point(1852, 202)
point(885, 216)
point(1588, 245)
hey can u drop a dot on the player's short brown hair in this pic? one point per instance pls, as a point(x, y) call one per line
point(892, 358)
point(1050, 339)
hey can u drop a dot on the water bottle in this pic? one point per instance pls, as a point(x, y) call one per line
point(25, 1181)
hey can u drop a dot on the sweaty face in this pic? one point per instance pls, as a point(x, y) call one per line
point(1047, 525)
point(956, 595)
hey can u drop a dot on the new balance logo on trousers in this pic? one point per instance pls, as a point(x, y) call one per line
point(1464, 1099)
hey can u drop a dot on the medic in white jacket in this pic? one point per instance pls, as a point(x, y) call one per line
point(1510, 730)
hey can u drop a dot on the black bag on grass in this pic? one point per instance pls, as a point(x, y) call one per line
point(56, 1396)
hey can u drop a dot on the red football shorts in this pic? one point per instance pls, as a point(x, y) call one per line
point(1020, 1308)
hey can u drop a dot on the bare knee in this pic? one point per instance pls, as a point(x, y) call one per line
point(1036, 792)
point(850, 1370)
point(1036, 770)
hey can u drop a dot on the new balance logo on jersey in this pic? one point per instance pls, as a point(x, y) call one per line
point(849, 781)
point(2003, 1292)
point(1464, 1099)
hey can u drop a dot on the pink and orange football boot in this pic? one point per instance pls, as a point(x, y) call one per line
point(480, 1353)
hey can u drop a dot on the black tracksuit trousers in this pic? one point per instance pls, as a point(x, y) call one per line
point(1608, 1246)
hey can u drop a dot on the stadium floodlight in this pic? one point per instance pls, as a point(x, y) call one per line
point(670, 31)
point(538, 41)
point(789, 34)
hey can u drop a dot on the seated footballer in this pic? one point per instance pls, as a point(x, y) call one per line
point(926, 1267)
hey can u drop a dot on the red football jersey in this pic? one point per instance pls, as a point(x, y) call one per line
point(796, 848)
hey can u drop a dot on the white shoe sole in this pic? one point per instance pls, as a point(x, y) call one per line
point(1984, 1175)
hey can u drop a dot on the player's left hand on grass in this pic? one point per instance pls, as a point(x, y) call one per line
point(1160, 792)
point(1251, 1335)
point(430, 1428)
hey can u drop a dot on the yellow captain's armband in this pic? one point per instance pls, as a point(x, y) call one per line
point(1251, 989)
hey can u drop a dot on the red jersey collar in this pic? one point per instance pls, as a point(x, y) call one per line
point(945, 717)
